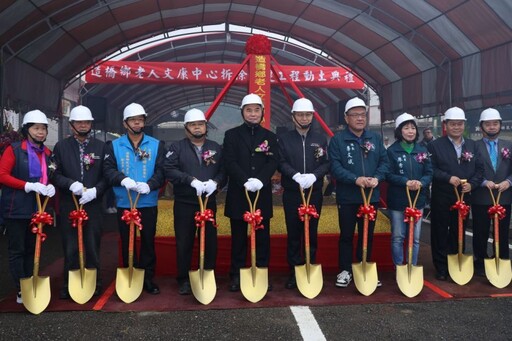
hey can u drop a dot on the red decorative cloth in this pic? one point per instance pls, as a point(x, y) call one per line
point(309, 210)
point(258, 44)
point(78, 217)
point(411, 212)
point(132, 215)
point(497, 209)
point(367, 210)
point(254, 219)
point(40, 218)
point(462, 208)
point(207, 215)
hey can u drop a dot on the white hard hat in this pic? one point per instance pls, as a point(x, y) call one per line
point(80, 113)
point(454, 113)
point(194, 115)
point(354, 103)
point(403, 118)
point(34, 116)
point(302, 105)
point(251, 99)
point(133, 109)
point(490, 114)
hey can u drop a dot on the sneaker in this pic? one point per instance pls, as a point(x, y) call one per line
point(19, 300)
point(379, 283)
point(344, 278)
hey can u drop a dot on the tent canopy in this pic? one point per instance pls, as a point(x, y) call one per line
point(419, 56)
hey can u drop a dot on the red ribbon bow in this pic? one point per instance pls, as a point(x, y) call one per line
point(462, 208)
point(207, 215)
point(309, 210)
point(367, 210)
point(254, 219)
point(132, 215)
point(497, 209)
point(411, 212)
point(77, 217)
point(40, 218)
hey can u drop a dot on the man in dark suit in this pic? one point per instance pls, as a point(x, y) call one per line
point(496, 156)
point(453, 160)
point(251, 158)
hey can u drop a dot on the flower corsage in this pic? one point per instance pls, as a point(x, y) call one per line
point(264, 148)
point(208, 156)
point(367, 147)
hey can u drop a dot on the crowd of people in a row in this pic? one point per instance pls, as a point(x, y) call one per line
point(355, 157)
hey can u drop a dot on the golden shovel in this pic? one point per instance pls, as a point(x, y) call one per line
point(365, 273)
point(129, 281)
point(253, 280)
point(81, 282)
point(460, 266)
point(410, 277)
point(35, 290)
point(497, 270)
point(308, 276)
point(202, 282)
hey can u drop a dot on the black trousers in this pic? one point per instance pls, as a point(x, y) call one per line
point(91, 232)
point(347, 219)
point(482, 223)
point(444, 234)
point(21, 247)
point(185, 232)
point(295, 251)
point(147, 258)
point(239, 245)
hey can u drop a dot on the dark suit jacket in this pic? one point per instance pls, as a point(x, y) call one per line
point(445, 165)
point(242, 162)
point(503, 171)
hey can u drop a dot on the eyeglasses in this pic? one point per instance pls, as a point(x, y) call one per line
point(357, 115)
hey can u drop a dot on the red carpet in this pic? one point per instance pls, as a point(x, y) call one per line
point(169, 299)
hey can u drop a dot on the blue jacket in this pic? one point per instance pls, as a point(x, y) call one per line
point(121, 160)
point(404, 167)
point(349, 160)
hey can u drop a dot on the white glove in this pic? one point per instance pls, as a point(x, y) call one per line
point(88, 196)
point(143, 188)
point(297, 178)
point(199, 186)
point(248, 185)
point(35, 187)
point(50, 191)
point(309, 180)
point(129, 184)
point(255, 185)
point(77, 188)
point(209, 187)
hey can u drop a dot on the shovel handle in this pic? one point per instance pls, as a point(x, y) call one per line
point(202, 208)
point(252, 209)
point(37, 251)
point(305, 202)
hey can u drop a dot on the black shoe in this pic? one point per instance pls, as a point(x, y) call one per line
point(291, 283)
point(235, 284)
point(64, 294)
point(270, 287)
point(480, 272)
point(185, 288)
point(441, 276)
point(151, 288)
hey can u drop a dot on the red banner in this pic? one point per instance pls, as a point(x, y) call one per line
point(115, 72)
point(259, 75)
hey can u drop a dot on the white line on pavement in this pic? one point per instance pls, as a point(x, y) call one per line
point(490, 240)
point(309, 328)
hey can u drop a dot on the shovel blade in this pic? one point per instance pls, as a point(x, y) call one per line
point(460, 268)
point(81, 289)
point(309, 286)
point(204, 290)
point(409, 284)
point(128, 291)
point(365, 278)
point(36, 293)
point(254, 288)
point(499, 272)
